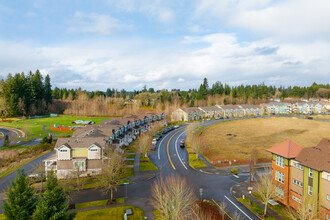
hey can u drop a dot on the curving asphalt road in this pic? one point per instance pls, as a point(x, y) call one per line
point(11, 134)
point(171, 159)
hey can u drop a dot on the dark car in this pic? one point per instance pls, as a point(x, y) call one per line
point(182, 143)
point(165, 131)
point(227, 117)
point(310, 118)
point(221, 117)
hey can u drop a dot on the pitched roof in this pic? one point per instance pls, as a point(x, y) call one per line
point(318, 157)
point(246, 106)
point(287, 149)
point(191, 110)
point(85, 142)
point(229, 107)
point(210, 108)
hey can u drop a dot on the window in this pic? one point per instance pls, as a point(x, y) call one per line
point(79, 164)
point(297, 182)
point(279, 192)
point(310, 172)
point(63, 151)
point(310, 190)
point(94, 150)
point(328, 197)
point(328, 177)
point(297, 165)
point(296, 199)
point(279, 176)
point(279, 161)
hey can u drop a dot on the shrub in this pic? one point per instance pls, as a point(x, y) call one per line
point(234, 170)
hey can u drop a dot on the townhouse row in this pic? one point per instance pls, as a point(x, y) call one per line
point(195, 113)
point(302, 176)
point(84, 150)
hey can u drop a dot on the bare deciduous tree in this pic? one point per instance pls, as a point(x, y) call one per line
point(196, 145)
point(40, 169)
point(75, 175)
point(145, 140)
point(174, 198)
point(155, 127)
point(112, 166)
point(306, 210)
point(265, 187)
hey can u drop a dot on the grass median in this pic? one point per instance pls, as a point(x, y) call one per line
point(146, 164)
point(116, 213)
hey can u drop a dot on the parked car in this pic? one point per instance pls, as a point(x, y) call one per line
point(221, 117)
point(310, 118)
point(36, 175)
point(176, 126)
point(182, 143)
point(208, 119)
point(154, 141)
point(165, 131)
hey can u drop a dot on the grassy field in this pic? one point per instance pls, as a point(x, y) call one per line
point(33, 127)
point(116, 213)
point(326, 117)
point(234, 140)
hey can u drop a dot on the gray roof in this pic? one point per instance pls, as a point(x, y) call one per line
point(244, 106)
point(192, 110)
point(210, 108)
point(85, 142)
point(229, 107)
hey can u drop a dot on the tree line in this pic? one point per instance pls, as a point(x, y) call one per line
point(25, 94)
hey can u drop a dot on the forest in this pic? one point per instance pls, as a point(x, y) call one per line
point(31, 94)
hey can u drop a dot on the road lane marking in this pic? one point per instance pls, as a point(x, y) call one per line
point(168, 144)
point(176, 148)
point(221, 209)
point(160, 144)
point(238, 208)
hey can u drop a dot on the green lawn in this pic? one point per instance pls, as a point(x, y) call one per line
point(254, 207)
point(146, 164)
point(116, 213)
point(120, 200)
point(195, 163)
point(130, 149)
point(129, 162)
point(90, 204)
point(33, 127)
point(127, 172)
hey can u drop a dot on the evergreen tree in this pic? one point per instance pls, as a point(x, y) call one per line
point(21, 202)
point(48, 90)
point(52, 202)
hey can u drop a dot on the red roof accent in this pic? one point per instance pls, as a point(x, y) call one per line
point(287, 149)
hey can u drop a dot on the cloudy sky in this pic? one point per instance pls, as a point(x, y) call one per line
point(167, 44)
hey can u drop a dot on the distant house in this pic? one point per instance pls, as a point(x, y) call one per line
point(252, 109)
point(85, 154)
point(279, 108)
point(231, 110)
point(212, 111)
point(187, 114)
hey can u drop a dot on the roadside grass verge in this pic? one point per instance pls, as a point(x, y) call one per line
point(1, 135)
point(116, 213)
point(277, 208)
point(120, 200)
point(146, 164)
point(253, 207)
point(127, 172)
point(91, 204)
point(16, 167)
point(129, 162)
point(193, 161)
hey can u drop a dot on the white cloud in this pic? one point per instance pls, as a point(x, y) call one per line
point(95, 23)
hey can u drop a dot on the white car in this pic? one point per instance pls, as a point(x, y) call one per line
point(154, 141)
point(176, 126)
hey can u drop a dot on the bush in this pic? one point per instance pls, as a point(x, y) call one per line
point(234, 170)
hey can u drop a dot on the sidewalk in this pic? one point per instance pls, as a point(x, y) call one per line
point(140, 176)
point(241, 189)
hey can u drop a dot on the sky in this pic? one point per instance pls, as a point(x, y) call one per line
point(126, 44)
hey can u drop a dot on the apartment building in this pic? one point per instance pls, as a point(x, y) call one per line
point(187, 114)
point(303, 174)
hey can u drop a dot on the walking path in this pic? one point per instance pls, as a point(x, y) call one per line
point(141, 175)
